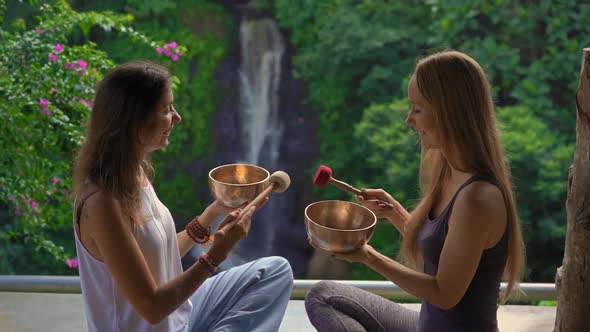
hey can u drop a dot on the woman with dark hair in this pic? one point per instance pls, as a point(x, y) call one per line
point(129, 252)
point(465, 229)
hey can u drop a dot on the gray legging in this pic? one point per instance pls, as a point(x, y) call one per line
point(332, 306)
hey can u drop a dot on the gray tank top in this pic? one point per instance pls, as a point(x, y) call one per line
point(476, 311)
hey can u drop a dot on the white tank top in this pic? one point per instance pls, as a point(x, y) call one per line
point(107, 309)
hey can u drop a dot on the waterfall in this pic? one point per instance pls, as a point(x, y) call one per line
point(261, 128)
point(262, 48)
point(252, 126)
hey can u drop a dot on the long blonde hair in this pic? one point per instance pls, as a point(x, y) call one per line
point(457, 88)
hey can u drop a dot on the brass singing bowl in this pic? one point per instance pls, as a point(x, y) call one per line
point(235, 184)
point(339, 226)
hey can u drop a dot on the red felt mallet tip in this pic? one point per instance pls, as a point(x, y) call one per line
point(322, 176)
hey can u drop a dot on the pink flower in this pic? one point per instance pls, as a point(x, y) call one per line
point(53, 90)
point(39, 31)
point(170, 50)
point(171, 44)
point(86, 103)
point(23, 56)
point(58, 48)
point(34, 205)
point(44, 102)
point(55, 180)
point(52, 57)
point(72, 262)
point(82, 64)
point(69, 65)
point(10, 198)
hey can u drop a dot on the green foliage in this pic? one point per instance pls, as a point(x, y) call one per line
point(348, 52)
point(46, 84)
point(540, 159)
point(531, 51)
point(547, 303)
point(200, 26)
point(39, 148)
point(391, 150)
point(392, 156)
point(356, 56)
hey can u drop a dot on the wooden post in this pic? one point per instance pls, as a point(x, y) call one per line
point(573, 277)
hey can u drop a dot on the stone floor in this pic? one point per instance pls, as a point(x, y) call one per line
point(28, 312)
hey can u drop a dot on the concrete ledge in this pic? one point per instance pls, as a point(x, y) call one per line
point(54, 303)
point(32, 312)
point(71, 284)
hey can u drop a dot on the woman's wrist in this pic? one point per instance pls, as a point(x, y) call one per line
point(216, 256)
point(368, 255)
point(197, 232)
point(398, 213)
point(209, 263)
point(207, 217)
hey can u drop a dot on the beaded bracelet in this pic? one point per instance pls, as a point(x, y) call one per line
point(197, 232)
point(206, 260)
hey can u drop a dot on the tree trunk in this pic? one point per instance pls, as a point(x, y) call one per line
point(573, 277)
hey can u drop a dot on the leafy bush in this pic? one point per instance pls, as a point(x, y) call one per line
point(356, 54)
point(46, 87)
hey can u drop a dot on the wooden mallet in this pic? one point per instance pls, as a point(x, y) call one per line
point(323, 176)
point(279, 182)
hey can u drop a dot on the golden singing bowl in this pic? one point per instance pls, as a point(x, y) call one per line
point(339, 226)
point(235, 184)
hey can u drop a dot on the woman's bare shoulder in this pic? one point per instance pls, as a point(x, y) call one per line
point(484, 202)
point(483, 194)
point(99, 205)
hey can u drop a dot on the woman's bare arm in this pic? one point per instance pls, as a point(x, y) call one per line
point(185, 243)
point(478, 212)
point(113, 236)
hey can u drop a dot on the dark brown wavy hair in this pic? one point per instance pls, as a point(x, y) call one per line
point(111, 156)
point(457, 88)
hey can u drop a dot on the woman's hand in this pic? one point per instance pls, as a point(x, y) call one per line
point(234, 227)
point(398, 215)
point(376, 204)
point(217, 208)
point(359, 255)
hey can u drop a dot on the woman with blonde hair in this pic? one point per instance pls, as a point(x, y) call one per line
point(464, 230)
point(128, 249)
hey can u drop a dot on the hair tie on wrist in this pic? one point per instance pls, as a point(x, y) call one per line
point(209, 263)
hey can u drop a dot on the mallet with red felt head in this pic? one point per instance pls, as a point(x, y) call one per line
point(323, 176)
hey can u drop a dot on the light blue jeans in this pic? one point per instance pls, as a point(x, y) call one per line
point(249, 297)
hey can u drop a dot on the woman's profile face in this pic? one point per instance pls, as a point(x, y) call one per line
point(155, 135)
point(421, 117)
